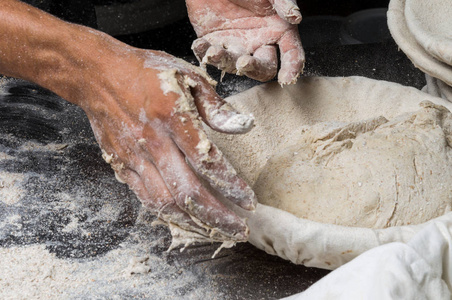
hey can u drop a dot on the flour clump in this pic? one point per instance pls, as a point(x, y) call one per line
point(376, 173)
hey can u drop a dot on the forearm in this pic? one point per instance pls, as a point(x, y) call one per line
point(143, 108)
point(57, 55)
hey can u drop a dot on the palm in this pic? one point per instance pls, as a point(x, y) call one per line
point(241, 37)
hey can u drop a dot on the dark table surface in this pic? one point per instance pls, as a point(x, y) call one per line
point(65, 181)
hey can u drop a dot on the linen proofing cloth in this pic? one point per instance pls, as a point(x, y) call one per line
point(311, 100)
point(419, 269)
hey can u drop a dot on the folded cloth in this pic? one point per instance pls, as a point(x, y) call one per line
point(437, 88)
point(419, 269)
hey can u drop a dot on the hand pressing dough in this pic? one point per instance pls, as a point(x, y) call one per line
point(281, 115)
point(375, 173)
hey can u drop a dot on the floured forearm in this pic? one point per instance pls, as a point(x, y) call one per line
point(135, 117)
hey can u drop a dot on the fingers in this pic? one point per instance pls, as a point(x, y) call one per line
point(200, 47)
point(212, 166)
point(174, 193)
point(221, 58)
point(218, 114)
point(259, 63)
point(292, 57)
point(208, 161)
point(262, 66)
point(192, 197)
point(136, 169)
point(287, 10)
point(157, 199)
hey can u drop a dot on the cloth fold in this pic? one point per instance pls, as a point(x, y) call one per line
point(419, 269)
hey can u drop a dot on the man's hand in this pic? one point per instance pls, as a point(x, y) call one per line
point(145, 109)
point(239, 36)
point(148, 125)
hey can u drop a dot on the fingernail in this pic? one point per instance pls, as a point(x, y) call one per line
point(243, 197)
point(240, 231)
point(250, 204)
point(243, 235)
point(253, 202)
point(294, 16)
point(244, 64)
point(200, 47)
point(287, 79)
point(220, 58)
point(214, 54)
point(235, 123)
point(238, 123)
point(286, 76)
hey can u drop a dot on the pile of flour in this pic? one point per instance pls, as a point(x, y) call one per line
point(32, 272)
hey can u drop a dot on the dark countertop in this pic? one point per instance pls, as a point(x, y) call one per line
point(66, 182)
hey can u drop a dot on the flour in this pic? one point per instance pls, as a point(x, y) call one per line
point(31, 272)
point(3, 82)
point(4, 156)
point(184, 238)
point(72, 226)
point(11, 190)
point(373, 174)
point(138, 265)
point(31, 146)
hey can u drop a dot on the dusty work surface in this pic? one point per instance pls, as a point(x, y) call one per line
point(68, 229)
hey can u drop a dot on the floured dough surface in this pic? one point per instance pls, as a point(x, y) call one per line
point(375, 173)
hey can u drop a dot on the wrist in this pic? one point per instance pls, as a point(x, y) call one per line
point(80, 63)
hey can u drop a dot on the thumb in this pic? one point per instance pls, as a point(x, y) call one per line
point(287, 10)
point(216, 112)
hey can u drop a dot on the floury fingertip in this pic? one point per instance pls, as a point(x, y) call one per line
point(294, 16)
point(237, 123)
point(288, 80)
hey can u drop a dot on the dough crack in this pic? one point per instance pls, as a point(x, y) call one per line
point(374, 173)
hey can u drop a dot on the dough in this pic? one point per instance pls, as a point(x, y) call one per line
point(280, 115)
point(375, 173)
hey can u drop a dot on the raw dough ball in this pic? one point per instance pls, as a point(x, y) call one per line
point(374, 173)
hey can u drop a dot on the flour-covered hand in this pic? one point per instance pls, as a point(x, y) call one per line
point(242, 37)
point(150, 131)
point(145, 109)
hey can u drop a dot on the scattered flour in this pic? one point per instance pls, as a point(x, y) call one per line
point(4, 156)
point(32, 146)
point(31, 272)
point(184, 238)
point(11, 190)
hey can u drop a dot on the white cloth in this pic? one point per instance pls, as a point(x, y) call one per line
point(313, 100)
point(419, 269)
point(437, 88)
point(430, 22)
point(408, 44)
